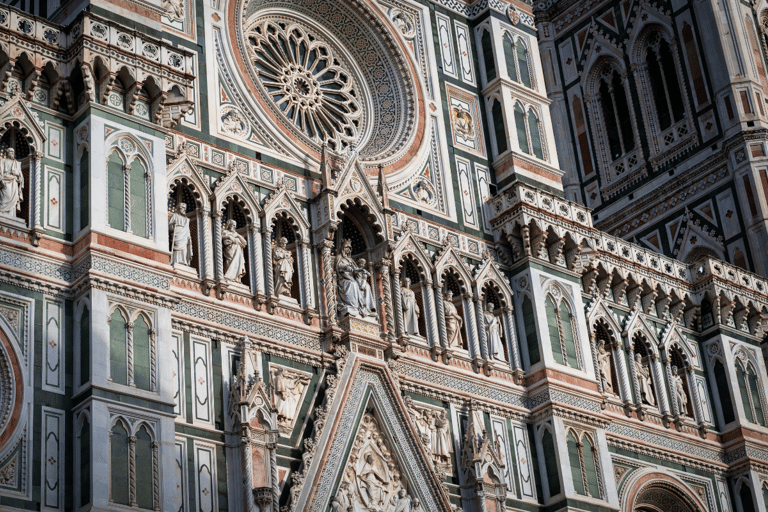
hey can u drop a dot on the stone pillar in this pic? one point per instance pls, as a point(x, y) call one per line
point(509, 326)
point(633, 373)
point(129, 346)
point(156, 475)
point(398, 302)
point(218, 249)
point(470, 316)
point(440, 306)
point(258, 249)
point(697, 409)
point(149, 209)
point(386, 290)
point(132, 470)
point(126, 198)
point(38, 200)
point(251, 263)
point(250, 503)
point(660, 387)
point(267, 230)
point(595, 364)
point(480, 315)
point(207, 256)
point(621, 370)
point(305, 278)
point(153, 360)
point(329, 282)
point(431, 316)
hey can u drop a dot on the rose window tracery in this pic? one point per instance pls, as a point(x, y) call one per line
point(307, 81)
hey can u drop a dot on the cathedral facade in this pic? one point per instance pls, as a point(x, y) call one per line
point(383, 255)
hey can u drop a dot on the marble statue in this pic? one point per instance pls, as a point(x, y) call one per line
point(234, 243)
point(373, 479)
point(282, 261)
point(679, 389)
point(11, 184)
point(367, 300)
point(453, 322)
point(181, 239)
point(288, 390)
point(410, 309)
point(493, 334)
point(402, 502)
point(340, 502)
point(645, 381)
point(604, 363)
point(442, 447)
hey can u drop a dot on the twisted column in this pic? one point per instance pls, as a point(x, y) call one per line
point(387, 292)
point(305, 258)
point(258, 253)
point(481, 328)
point(621, 366)
point(472, 331)
point(509, 324)
point(129, 345)
point(38, 170)
point(398, 302)
point(633, 373)
point(148, 194)
point(156, 475)
point(329, 282)
point(432, 318)
point(132, 470)
point(268, 258)
point(273, 470)
point(217, 244)
point(663, 404)
point(595, 364)
point(207, 256)
point(440, 306)
point(126, 197)
point(250, 503)
point(668, 371)
point(152, 362)
point(697, 407)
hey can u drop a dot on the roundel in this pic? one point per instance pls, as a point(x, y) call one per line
point(331, 73)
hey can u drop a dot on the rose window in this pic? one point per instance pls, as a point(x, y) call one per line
point(307, 82)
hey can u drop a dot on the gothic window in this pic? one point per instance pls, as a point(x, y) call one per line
point(116, 194)
point(118, 359)
point(143, 462)
point(132, 350)
point(84, 334)
point(84, 461)
point(665, 85)
point(523, 64)
point(133, 466)
point(534, 134)
point(531, 335)
point(510, 58)
point(522, 135)
point(497, 116)
point(723, 392)
point(118, 462)
point(84, 199)
point(750, 390)
point(562, 332)
point(582, 455)
point(745, 497)
point(141, 353)
point(756, 53)
point(693, 62)
point(615, 112)
point(550, 462)
point(139, 194)
point(128, 205)
point(528, 129)
point(490, 65)
point(764, 489)
point(581, 134)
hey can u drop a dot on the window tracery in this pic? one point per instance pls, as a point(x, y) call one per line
point(750, 389)
point(585, 464)
point(562, 332)
point(132, 350)
point(133, 465)
point(129, 191)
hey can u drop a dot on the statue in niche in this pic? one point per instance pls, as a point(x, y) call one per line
point(442, 440)
point(372, 481)
point(493, 334)
point(181, 239)
point(410, 309)
point(463, 123)
point(288, 387)
point(234, 261)
point(363, 280)
point(282, 261)
point(645, 381)
point(679, 390)
point(11, 185)
point(453, 322)
point(604, 363)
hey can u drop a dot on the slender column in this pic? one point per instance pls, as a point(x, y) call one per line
point(472, 342)
point(156, 475)
point(153, 360)
point(305, 278)
point(386, 287)
point(217, 244)
point(621, 366)
point(374, 289)
point(129, 346)
point(126, 198)
point(273, 470)
point(593, 348)
point(509, 325)
point(258, 256)
point(398, 302)
point(440, 306)
point(481, 328)
point(38, 170)
point(253, 249)
point(268, 258)
point(148, 194)
point(109, 451)
point(697, 408)
point(329, 283)
point(660, 387)
point(250, 503)
point(432, 318)
point(633, 373)
point(207, 256)
point(132, 470)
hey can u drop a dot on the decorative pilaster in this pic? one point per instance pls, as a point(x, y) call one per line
point(127, 197)
point(440, 306)
point(481, 327)
point(305, 259)
point(387, 292)
point(148, 194)
point(217, 244)
point(132, 470)
point(398, 302)
point(633, 374)
point(38, 229)
point(432, 318)
point(129, 346)
point(329, 282)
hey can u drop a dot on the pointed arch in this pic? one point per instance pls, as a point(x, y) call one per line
point(119, 457)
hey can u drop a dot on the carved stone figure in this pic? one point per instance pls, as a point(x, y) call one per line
point(442, 446)
point(174, 9)
point(233, 121)
point(282, 261)
point(411, 309)
point(372, 480)
point(462, 123)
point(340, 502)
point(604, 363)
point(453, 322)
point(234, 261)
point(679, 389)
point(493, 334)
point(367, 300)
point(288, 390)
point(402, 502)
point(11, 184)
point(645, 381)
point(181, 239)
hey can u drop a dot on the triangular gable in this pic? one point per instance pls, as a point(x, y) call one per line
point(185, 168)
point(672, 335)
point(600, 310)
point(234, 184)
point(591, 53)
point(407, 243)
point(644, 15)
point(635, 322)
point(449, 257)
point(18, 109)
point(369, 385)
point(489, 270)
point(353, 181)
point(693, 237)
point(283, 200)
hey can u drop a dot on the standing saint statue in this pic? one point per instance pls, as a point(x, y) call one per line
point(367, 301)
point(679, 389)
point(373, 479)
point(282, 261)
point(11, 184)
point(234, 243)
point(453, 322)
point(645, 381)
point(181, 239)
point(348, 289)
point(410, 309)
point(442, 449)
point(493, 334)
point(288, 390)
point(604, 363)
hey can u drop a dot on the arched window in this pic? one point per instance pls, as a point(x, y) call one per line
point(581, 133)
point(721, 381)
point(128, 203)
point(84, 462)
point(118, 360)
point(510, 57)
point(615, 111)
point(116, 199)
point(498, 126)
point(531, 335)
point(118, 462)
point(665, 85)
point(550, 462)
point(582, 455)
point(533, 131)
point(765, 494)
point(144, 469)
point(490, 65)
point(745, 497)
point(561, 333)
point(141, 354)
point(85, 345)
point(138, 203)
point(522, 64)
point(749, 389)
point(84, 199)
point(522, 135)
